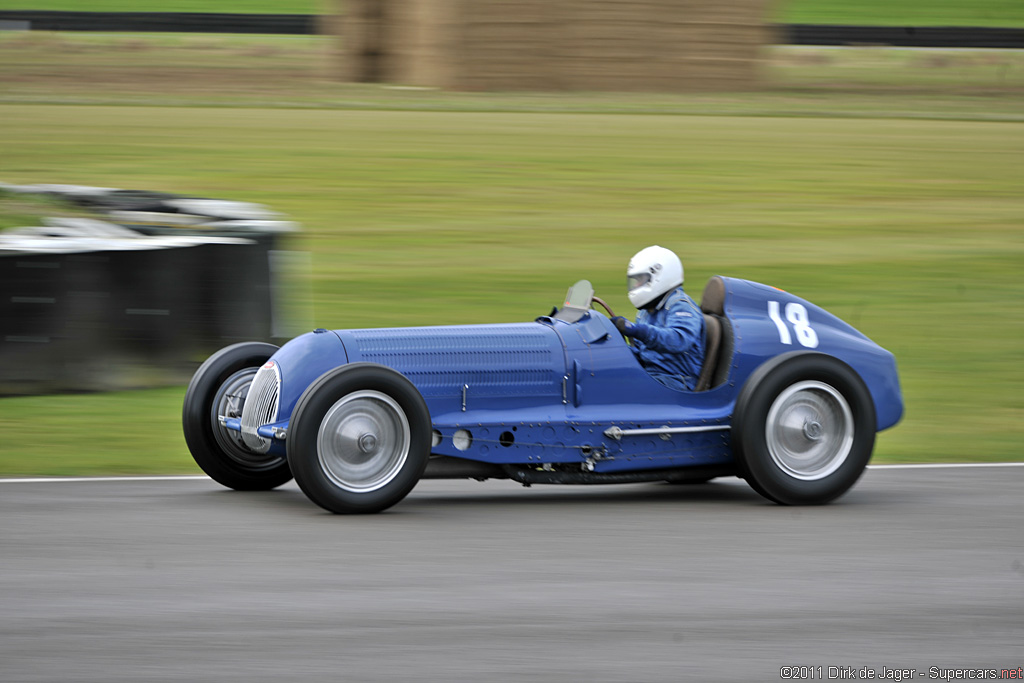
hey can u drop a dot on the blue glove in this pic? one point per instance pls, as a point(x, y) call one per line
point(635, 330)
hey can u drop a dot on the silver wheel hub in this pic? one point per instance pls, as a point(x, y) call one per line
point(363, 441)
point(809, 430)
point(812, 430)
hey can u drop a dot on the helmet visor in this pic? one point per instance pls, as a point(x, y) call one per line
point(638, 280)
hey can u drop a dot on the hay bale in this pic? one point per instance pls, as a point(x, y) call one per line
point(647, 45)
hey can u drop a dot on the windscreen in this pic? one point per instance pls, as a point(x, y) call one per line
point(577, 302)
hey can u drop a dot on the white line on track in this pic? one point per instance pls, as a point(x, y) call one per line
point(201, 477)
point(944, 465)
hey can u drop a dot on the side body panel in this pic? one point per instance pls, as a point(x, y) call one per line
point(508, 367)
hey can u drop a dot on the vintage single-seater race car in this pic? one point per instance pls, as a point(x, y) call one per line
point(789, 398)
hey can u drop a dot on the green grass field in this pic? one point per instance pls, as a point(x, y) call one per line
point(868, 12)
point(883, 185)
point(909, 229)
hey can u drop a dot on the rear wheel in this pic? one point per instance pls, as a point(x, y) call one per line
point(804, 429)
point(219, 388)
point(359, 439)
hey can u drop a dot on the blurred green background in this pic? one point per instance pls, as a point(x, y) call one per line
point(863, 12)
point(884, 185)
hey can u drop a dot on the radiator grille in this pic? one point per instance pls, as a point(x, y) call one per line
point(261, 406)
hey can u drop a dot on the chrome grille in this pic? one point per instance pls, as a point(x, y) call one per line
point(261, 406)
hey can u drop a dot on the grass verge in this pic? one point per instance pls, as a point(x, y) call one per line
point(294, 72)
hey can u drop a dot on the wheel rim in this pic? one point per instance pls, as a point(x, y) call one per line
point(809, 430)
point(229, 401)
point(363, 441)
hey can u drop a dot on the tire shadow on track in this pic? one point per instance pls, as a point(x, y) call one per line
point(464, 496)
point(535, 496)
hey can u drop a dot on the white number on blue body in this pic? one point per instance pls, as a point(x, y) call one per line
point(796, 314)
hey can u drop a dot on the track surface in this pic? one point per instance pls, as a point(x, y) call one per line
point(182, 580)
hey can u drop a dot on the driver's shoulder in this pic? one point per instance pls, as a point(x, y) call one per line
point(680, 304)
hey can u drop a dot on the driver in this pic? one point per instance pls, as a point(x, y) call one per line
point(668, 335)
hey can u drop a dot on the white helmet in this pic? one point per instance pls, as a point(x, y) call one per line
point(651, 273)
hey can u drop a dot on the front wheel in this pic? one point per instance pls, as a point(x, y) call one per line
point(359, 439)
point(220, 388)
point(803, 429)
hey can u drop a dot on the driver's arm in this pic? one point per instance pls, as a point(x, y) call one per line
point(682, 332)
point(682, 329)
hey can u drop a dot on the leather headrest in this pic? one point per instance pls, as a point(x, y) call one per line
point(713, 299)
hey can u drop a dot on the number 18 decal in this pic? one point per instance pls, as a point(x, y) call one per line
point(796, 314)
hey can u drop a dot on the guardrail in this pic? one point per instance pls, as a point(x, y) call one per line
point(905, 36)
point(135, 295)
point(306, 24)
point(169, 22)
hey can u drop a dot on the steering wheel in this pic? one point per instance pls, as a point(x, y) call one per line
point(606, 307)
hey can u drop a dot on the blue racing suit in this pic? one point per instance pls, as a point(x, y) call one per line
point(669, 342)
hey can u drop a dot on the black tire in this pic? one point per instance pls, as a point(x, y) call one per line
point(218, 451)
point(359, 439)
point(804, 429)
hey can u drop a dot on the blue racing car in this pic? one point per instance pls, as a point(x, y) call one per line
point(789, 398)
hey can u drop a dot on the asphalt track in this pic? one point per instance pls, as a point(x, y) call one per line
point(182, 580)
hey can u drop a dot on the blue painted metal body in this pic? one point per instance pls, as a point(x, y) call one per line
point(544, 393)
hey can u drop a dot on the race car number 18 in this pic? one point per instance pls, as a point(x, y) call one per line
point(796, 314)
